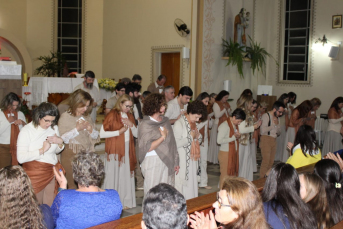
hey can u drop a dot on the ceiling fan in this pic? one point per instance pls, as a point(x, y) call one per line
point(181, 27)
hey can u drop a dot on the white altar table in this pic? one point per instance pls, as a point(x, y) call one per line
point(40, 87)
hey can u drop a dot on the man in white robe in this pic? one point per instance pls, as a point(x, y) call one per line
point(178, 106)
point(88, 86)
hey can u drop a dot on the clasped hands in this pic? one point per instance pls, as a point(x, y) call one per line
point(84, 125)
point(201, 221)
point(257, 124)
point(50, 140)
point(195, 134)
point(127, 123)
point(15, 121)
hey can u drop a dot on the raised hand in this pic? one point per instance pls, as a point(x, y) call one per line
point(61, 179)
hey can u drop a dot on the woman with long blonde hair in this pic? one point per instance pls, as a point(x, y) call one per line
point(238, 205)
point(246, 129)
point(77, 130)
point(119, 128)
point(312, 191)
point(18, 203)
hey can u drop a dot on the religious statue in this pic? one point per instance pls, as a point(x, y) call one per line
point(240, 24)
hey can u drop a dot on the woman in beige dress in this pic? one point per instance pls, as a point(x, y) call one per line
point(77, 130)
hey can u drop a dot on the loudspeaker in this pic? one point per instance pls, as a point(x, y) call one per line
point(334, 52)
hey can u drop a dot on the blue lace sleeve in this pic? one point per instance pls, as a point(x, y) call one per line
point(55, 207)
point(73, 209)
point(47, 216)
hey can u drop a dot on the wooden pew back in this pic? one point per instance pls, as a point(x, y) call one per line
point(202, 203)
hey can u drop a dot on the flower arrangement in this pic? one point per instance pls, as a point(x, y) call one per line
point(107, 84)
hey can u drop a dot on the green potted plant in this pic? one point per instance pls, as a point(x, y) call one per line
point(235, 52)
point(258, 56)
point(52, 65)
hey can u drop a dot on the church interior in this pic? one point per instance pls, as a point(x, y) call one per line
point(120, 38)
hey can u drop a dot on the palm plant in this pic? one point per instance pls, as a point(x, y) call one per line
point(258, 56)
point(52, 65)
point(234, 51)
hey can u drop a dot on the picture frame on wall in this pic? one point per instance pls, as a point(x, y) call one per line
point(337, 21)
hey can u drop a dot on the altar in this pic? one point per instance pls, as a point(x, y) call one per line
point(10, 78)
point(40, 88)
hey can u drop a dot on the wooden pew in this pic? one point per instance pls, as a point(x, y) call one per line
point(202, 203)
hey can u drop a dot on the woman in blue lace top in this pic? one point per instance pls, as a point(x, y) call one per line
point(88, 205)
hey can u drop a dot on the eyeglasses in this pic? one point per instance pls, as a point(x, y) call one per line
point(219, 202)
point(48, 121)
point(127, 106)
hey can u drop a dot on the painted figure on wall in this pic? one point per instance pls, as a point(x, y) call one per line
point(240, 24)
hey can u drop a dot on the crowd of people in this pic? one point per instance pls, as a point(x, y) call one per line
point(165, 142)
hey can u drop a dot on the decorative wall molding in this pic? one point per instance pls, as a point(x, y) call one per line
point(155, 50)
point(254, 22)
point(208, 58)
point(53, 25)
point(280, 47)
point(84, 35)
point(223, 20)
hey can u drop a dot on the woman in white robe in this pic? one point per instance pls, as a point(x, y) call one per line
point(221, 109)
point(204, 126)
point(119, 127)
point(284, 119)
point(188, 140)
point(246, 129)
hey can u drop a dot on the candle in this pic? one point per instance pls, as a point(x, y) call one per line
point(25, 76)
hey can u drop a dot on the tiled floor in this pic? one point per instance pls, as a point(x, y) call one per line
point(212, 171)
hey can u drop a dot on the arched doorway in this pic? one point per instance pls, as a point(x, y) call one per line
point(17, 49)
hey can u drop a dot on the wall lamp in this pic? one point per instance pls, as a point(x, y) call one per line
point(323, 40)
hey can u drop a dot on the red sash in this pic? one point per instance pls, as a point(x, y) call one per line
point(41, 174)
point(233, 163)
point(14, 137)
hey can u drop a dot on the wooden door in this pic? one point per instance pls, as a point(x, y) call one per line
point(170, 67)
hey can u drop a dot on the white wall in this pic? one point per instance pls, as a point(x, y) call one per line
point(93, 34)
point(32, 22)
point(39, 29)
point(327, 74)
point(218, 23)
point(131, 28)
